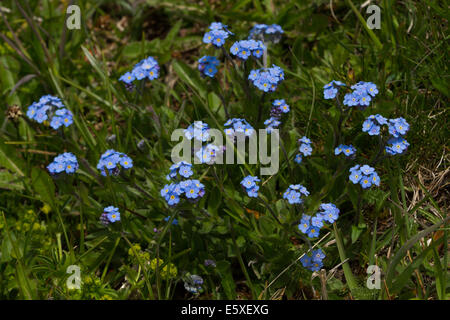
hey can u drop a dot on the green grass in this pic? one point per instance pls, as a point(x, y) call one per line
point(49, 224)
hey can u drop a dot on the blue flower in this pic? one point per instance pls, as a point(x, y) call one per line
point(174, 222)
point(246, 48)
point(217, 34)
point(317, 221)
point(146, 68)
point(396, 146)
point(398, 127)
point(172, 197)
point(279, 106)
point(330, 93)
point(351, 100)
point(294, 192)
point(65, 162)
point(355, 176)
point(266, 32)
point(198, 130)
point(330, 90)
point(127, 77)
point(372, 124)
point(305, 223)
point(313, 232)
point(318, 255)
point(375, 179)
point(329, 213)
point(50, 108)
point(207, 154)
point(362, 94)
point(237, 125)
point(249, 185)
point(313, 262)
point(298, 158)
point(112, 161)
point(267, 79)
point(271, 123)
point(182, 168)
point(365, 175)
point(185, 171)
point(305, 146)
point(346, 150)
point(110, 214)
point(208, 65)
point(306, 261)
point(366, 182)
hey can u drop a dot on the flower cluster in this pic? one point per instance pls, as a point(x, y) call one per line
point(250, 186)
point(362, 94)
point(198, 130)
point(305, 149)
point(193, 283)
point(193, 190)
point(110, 214)
point(279, 106)
point(208, 65)
point(271, 123)
point(207, 154)
point(346, 150)
point(267, 79)
point(313, 262)
point(217, 34)
point(262, 31)
point(364, 175)
point(330, 90)
point(294, 192)
point(169, 271)
point(146, 68)
point(311, 225)
point(398, 127)
point(396, 146)
point(237, 125)
point(182, 168)
point(65, 162)
point(246, 48)
point(373, 123)
point(50, 108)
point(111, 159)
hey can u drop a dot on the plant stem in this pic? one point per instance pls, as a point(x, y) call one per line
point(241, 261)
point(345, 266)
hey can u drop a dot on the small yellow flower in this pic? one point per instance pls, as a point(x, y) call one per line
point(36, 226)
point(46, 209)
point(136, 248)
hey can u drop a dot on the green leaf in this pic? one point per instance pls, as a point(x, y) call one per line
point(43, 185)
point(190, 77)
point(404, 249)
point(228, 284)
point(357, 230)
point(9, 161)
